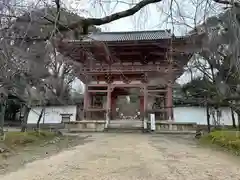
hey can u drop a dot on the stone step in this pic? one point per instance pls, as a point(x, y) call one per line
point(126, 120)
point(125, 124)
point(124, 130)
point(125, 127)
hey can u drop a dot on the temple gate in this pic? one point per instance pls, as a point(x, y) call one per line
point(114, 62)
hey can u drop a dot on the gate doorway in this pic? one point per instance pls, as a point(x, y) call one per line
point(126, 104)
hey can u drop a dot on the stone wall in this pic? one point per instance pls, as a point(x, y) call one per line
point(162, 126)
point(86, 126)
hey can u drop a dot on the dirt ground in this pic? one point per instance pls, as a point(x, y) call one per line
point(15, 159)
point(132, 156)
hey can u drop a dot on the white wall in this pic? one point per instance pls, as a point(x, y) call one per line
point(199, 115)
point(181, 114)
point(52, 114)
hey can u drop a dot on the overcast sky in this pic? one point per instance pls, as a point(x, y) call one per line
point(179, 17)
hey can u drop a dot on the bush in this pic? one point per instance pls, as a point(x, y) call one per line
point(229, 140)
point(25, 138)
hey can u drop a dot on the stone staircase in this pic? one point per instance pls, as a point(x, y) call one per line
point(125, 126)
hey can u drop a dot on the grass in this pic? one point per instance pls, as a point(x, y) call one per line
point(17, 139)
point(225, 139)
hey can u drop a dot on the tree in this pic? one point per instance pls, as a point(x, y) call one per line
point(2, 112)
point(33, 70)
point(198, 88)
point(221, 53)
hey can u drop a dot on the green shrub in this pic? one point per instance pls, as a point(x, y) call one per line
point(229, 140)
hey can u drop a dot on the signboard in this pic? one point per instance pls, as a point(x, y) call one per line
point(145, 123)
point(152, 121)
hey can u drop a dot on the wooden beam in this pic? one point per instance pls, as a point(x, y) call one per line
point(127, 85)
point(158, 53)
point(154, 44)
point(166, 42)
point(133, 68)
point(97, 85)
point(94, 91)
point(159, 110)
point(96, 109)
point(157, 90)
point(120, 53)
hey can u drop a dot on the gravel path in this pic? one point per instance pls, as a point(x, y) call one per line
point(132, 156)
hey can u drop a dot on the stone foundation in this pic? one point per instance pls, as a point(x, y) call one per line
point(161, 126)
point(85, 126)
point(171, 126)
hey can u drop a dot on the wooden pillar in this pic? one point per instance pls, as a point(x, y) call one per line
point(169, 101)
point(141, 104)
point(113, 106)
point(145, 106)
point(108, 107)
point(169, 94)
point(86, 102)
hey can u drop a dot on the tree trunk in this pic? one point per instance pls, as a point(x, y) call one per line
point(208, 117)
point(39, 118)
point(26, 111)
point(238, 114)
point(233, 119)
point(2, 115)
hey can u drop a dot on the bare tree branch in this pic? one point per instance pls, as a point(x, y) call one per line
point(85, 23)
point(235, 3)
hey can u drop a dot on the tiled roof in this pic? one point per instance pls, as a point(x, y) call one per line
point(129, 36)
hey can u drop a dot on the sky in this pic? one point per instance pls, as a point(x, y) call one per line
point(152, 17)
point(180, 16)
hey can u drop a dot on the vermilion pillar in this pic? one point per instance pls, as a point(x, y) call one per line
point(141, 104)
point(86, 102)
point(169, 102)
point(108, 108)
point(113, 105)
point(145, 106)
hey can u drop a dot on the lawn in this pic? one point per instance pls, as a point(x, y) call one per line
point(226, 139)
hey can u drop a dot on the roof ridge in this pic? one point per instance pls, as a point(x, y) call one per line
point(132, 32)
point(130, 35)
